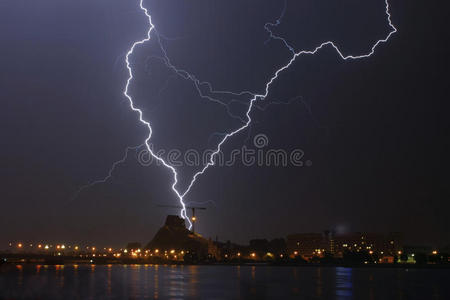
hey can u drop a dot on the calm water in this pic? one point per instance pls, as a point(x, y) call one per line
point(219, 282)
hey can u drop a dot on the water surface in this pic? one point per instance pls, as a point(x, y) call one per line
point(219, 282)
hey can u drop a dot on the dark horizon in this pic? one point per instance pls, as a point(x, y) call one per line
point(373, 132)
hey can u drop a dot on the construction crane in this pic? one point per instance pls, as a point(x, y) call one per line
point(193, 218)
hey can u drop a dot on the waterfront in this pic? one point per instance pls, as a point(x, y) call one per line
point(219, 282)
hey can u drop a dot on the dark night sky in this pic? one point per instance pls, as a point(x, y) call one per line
point(376, 130)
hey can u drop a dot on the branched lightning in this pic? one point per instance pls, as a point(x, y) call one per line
point(110, 173)
point(200, 84)
point(253, 97)
point(275, 76)
point(273, 36)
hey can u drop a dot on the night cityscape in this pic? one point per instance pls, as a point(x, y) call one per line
point(212, 149)
point(175, 244)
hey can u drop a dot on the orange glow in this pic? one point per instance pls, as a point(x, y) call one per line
point(20, 245)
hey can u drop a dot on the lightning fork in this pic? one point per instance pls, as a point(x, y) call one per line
point(254, 97)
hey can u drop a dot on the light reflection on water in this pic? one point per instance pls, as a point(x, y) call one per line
point(219, 282)
point(344, 287)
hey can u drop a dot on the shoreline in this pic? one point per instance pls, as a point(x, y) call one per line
point(217, 264)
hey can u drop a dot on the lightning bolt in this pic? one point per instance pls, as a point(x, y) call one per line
point(254, 97)
point(276, 75)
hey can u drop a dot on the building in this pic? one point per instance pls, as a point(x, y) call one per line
point(377, 243)
point(308, 245)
